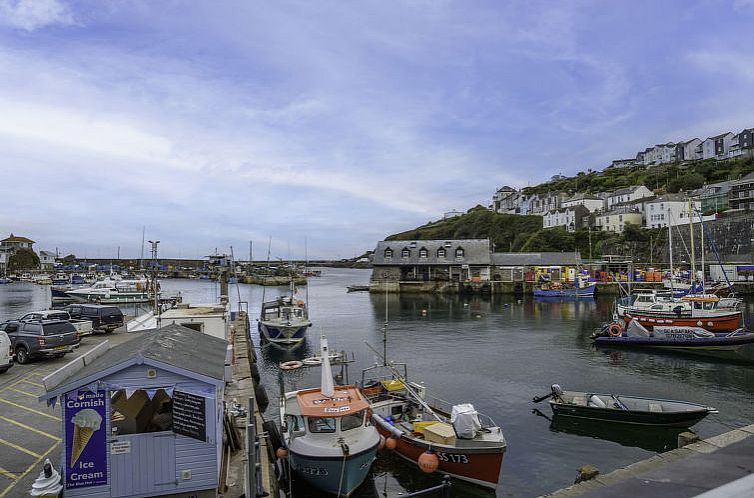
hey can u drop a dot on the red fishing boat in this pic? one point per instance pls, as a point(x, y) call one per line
point(707, 311)
point(437, 436)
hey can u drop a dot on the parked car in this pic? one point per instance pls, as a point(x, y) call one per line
point(46, 338)
point(6, 352)
point(103, 317)
point(83, 326)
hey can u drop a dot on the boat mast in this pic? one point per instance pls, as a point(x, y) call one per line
point(701, 223)
point(693, 254)
point(384, 330)
point(670, 249)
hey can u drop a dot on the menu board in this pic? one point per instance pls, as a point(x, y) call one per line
point(189, 415)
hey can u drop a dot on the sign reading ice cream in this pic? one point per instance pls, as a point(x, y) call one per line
point(85, 439)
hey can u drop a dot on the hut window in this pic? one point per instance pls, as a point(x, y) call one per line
point(388, 253)
point(405, 252)
point(321, 424)
point(459, 252)
point(352, 421)
point(423, 253)
point(138, 414)
point(441, 253)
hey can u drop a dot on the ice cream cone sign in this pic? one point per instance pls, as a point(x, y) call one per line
point(85, 423)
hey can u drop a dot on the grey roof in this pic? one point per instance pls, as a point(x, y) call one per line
point(637, 202)
point(721, 135)
point(536, 258)
point(583, 197)
point(173, 345)
point(622, 209)
point(476, 252)
point(48, 253)
point(625, 190)
point(669, 198)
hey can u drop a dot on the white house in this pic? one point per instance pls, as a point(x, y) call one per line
point(504, 200)
point(542, 203)
point(660, 154)
point(717, 146)
point(571, 218)
point(628, 194)
point(47, 260)
point(589, 201)
point(669, 209)
point(617, 219)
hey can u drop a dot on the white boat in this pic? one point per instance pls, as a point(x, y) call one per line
point(110, 291)
point(284, 320)
point(326, 430)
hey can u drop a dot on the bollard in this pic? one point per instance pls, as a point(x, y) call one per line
point(687, 437)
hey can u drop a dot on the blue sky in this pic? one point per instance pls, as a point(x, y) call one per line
point(215, 123)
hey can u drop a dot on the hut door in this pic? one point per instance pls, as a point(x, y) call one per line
point(142, 463)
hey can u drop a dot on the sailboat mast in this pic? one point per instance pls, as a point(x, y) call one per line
point(384, 330)
point(691, 234)
point(701, 223)
point(670, 249)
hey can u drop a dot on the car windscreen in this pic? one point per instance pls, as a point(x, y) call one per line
point(58, 328)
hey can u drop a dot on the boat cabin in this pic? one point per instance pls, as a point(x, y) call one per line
point(309, 412)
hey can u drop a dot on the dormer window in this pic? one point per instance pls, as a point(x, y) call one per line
point(388, 253)
point(459, 253)
point(441, 253)
point(423, 253)
point(413, 245)
point(405, 252)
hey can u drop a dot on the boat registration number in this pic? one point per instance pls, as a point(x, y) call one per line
point(452, 457)
point(313, 471)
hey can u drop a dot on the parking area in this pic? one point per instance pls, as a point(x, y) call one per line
point(30, 430)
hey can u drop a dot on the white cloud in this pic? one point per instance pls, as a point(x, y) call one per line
point(34, 14)
point(727, 62)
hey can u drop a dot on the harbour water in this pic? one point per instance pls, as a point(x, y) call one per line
point(495, 353)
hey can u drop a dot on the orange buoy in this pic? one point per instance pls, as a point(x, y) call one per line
point(428, 462)
point(281, 453)
point(382, 442)
point(391, 443)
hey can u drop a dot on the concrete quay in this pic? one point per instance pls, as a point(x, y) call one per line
point(721, 466)
point(241, 389)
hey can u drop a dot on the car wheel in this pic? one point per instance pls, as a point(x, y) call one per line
point(3, 370)
point(22, 356)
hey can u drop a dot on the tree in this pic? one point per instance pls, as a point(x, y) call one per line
point(69, 260)
point(23, 259)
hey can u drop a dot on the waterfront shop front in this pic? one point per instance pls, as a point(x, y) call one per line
point(143, 418)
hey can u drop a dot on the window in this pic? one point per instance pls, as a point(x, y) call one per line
point(138, 414)
point(423, 253)
point(319, 425)
point(352, 421)
point(388, 253)
point(459, 252)
point(405, 252)
point(441, 253)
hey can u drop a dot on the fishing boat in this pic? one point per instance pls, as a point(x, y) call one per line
point(689, 339)
point(656, 308)
point(109, 291)
point(358, 288)
point(60, 279)
point(581, 288)
point(330, 442)
point(625, 409)
point(284, 320)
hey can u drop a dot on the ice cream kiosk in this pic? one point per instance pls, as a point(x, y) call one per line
point(143, 418)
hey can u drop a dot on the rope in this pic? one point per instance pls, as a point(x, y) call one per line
point(342, 472)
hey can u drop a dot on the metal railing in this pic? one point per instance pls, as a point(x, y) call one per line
point(253, 462)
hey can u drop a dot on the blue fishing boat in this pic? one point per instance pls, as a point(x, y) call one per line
point(326, 431)
point(581, 288)
point(284, 320)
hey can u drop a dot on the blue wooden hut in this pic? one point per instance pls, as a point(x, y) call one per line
point(143, 418)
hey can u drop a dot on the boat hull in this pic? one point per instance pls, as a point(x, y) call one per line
point(334, 475)
point(480, 466)
point(285, 334)
point(710, 344)
point(112, 298)
point(722, 323)
point(587, 291)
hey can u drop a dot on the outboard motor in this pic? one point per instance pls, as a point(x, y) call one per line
point(557, 391)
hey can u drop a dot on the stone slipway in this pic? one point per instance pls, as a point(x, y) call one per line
point(688, 471)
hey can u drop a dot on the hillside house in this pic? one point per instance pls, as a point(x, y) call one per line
point(572, 218)
point(669, 209)
point(504, 200)
point(617, 219)
point(746, 142)
point(741, 194)
point(542, 203)
point(660, 154)
point(628, 194)
point(592, 202)
point(623, 163)
point(714, 197)
point(47, 260)
point(690, 150)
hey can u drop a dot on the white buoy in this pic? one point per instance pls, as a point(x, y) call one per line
point(47, 484)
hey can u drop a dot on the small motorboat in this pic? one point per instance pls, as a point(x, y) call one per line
point(624, 409)
point(329, 440)
point(358, 288)
point(689, 339)
point(582, 288)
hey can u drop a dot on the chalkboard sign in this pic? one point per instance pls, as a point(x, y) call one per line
point(189, 415)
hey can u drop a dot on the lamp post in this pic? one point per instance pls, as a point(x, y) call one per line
point(154, 281)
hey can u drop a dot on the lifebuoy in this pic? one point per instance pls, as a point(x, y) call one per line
point(291, 365)
point(615, 330)
point(313, 361)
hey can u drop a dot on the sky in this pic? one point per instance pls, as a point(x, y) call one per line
point(324, 126)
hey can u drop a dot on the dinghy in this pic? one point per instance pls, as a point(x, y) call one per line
point(625, 409)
